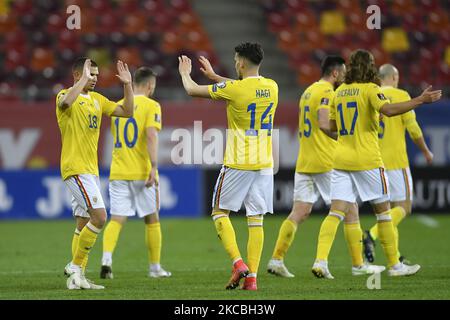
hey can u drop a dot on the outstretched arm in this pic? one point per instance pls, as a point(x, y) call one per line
point(72, 94)
point(127, 109)
point(209, 72)
point(427, 96)
point(191, 87)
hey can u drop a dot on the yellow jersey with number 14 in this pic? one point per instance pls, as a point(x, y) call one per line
point(392, 131)
point(316, 152)
point(80, 129)
point(251, 105)
point(356, 109)
point(130, 158)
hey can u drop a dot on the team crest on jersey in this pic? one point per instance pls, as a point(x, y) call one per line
point(157, 118)
point(324, 101)
point(219, 85)
point(94, 199)
point(381, 96)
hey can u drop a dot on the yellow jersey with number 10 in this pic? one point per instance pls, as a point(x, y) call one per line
point(130, 158)
point(392, 131)
point(251, 105)
point(80, 129)
point(316, 152)
point(356, 109)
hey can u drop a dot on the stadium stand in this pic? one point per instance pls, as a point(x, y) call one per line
point(411, 37)
point(36, 47)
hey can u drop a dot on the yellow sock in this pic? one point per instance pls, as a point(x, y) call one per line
point(353, 236)
point(285, 237)
point(86, 241)
point(255, 242)
point(75, 239)
point(226, 234)
point(111, 235)
point(397, 215)
point(327, 233)
point(153, 240)
point(386, 233)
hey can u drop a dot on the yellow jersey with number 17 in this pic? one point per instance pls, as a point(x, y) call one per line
point(392, 131)
point(316, 152)
point(356, 109)
point(251, 105)
point(80, 129)
point(130, 158)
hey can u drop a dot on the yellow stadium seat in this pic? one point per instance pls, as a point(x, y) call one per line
point(395, 40)
point(447, 55)
point(332, 22)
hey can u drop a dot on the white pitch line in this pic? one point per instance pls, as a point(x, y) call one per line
point(427, 221)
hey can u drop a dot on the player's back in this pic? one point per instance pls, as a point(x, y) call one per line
point(316, 148)
point(392, 131)
point(356, 111)
point(251, 105)
point(130, 159)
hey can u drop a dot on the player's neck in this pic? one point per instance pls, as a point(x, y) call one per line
point(388, 84)
point(252, 73)
point(328, 79)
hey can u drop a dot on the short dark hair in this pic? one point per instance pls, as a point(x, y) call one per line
point(143, 74)
point(79, 63)
point(330, 63)
point(251, 51)
point(361, 68)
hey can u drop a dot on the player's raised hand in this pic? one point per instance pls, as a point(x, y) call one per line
point(87, 70)
point(184, 65)
point(429, 96)
point(123, 72)
point(206, 68)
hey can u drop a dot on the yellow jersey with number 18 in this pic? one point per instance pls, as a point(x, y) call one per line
point(316, 152)
point(392, 131)
point(80, 129)
point(130, 158)
point(251, 105)
point(356, 109)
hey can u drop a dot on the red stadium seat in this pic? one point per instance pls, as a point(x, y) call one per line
point(295, 6)
point(69, 40)
point(14, 59)
point(109, 22)
point(8, 23)
point(305, 21)
point(278, 22)
point(41, 59)
point(414, 21)
point(131, 56)
point(308, 73)
point(438, 21)
point(402, 7)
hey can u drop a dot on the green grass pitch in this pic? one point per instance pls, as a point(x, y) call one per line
point(34, 253)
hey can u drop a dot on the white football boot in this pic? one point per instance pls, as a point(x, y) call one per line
point(278, 268)
point(320, 269)
point(367, 269)
point(401, 269)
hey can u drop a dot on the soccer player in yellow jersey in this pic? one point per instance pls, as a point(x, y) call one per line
point(134, 174)
point(79, 112)
point(394, 155)
point(358, 166)
point(314, 165)
point(247, 173)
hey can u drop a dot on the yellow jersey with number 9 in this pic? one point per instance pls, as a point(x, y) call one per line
point(130, 158)
point(356, 109)
point(80, 129)
point(316, 152)
point(392, 131)
point(251, 105)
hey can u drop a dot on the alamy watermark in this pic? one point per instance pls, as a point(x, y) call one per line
point(374, 281)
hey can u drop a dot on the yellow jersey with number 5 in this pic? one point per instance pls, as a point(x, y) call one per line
point(80, 129)
point(392, 131)
point(356, 109)
point(130, 158)
point(316, 152)
point(251, 105)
